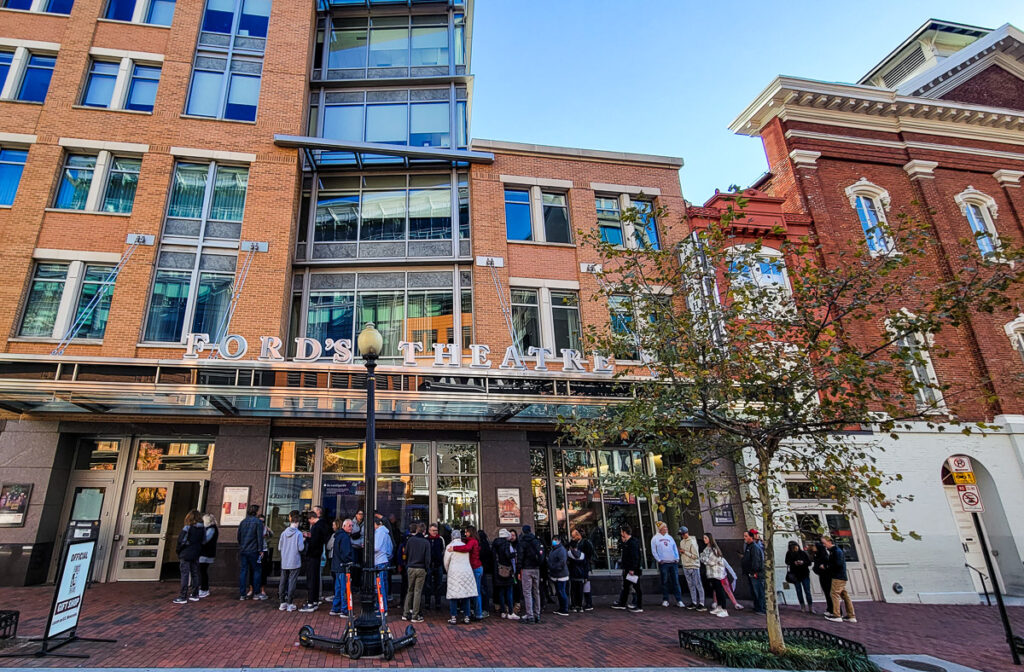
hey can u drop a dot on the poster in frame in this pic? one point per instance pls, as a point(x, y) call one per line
point(510, 510)
point(14, 500)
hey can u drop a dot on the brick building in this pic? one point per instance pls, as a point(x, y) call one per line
point(934, 131)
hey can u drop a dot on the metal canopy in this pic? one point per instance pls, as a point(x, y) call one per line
point(324, 153)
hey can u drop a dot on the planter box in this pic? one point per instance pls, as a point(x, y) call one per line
point(705, 642)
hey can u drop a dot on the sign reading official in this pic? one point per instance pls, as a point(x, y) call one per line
point(67, 603)
point(970, 499)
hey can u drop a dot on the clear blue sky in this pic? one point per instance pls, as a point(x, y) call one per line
point(668, 76)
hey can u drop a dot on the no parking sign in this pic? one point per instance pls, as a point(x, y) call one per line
point(970, 499)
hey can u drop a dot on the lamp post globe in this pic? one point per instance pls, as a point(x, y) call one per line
point(370, 342)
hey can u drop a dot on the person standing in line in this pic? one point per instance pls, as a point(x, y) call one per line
point(357, 548)
point(799, 565)
point(383, 550)
point(190, 543)
point(487, 580)
point(252, 545)
point(471, 546)
point(630, 561)
point(837, 572)
point(753, 569)
point(435, 586)
point(207, 553)
point(290, 545)
point(577, 576)
point(417, 562)
point(729, 584)
point(341, 564)
point(504, 574)
point(689, 552)
point(820, 557)
point(715, 564)
point(461, 582)
point(316, 541)
point(587, 550)
point(517, 585)
point(266, 562)
point(558, 570)
point(665, 553)
point(530, 556)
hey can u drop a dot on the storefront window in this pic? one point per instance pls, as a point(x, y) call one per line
point(97, 455)
point(174, 455)
point(291, 483)
point(539, 486)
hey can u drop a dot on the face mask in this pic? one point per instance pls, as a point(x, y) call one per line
point(554, 543)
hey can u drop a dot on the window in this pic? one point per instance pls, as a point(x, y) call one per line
point(981, 210)
point(120, 10)
point(16, 4)
point(142, 88)
point(160, 12)
point(66, 295)
point(36, 80)
point(565, 317)
point(647, 225)
point(12, 163)
point(174, 455)
point(418, 117)
point(526, 319)
point(195, 273)
point(121, 85)
point(518, 225)
point(556, 218)
point(6, 57)
point(870, 202)
point(59, 6)
point(98, 183)
point(1015, 332)
point(99, 87)
point(609, 220)
point(623, 320)
point(253, 17)
point(155, 12)
point(913, 351)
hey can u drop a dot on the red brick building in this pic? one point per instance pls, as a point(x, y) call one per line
point(936, 131)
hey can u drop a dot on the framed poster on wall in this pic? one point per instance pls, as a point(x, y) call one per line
point(722, 512)
point(509, 506)
point(236, 501)
point(14, 498)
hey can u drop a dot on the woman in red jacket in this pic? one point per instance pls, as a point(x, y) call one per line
point(472, 546)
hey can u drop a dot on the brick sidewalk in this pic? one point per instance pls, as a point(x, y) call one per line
point(219, 631)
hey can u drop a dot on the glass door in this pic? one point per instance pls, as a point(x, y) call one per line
point(145, 533)
point(813, 524)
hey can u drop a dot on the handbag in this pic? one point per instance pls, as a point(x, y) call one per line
point(504, 571)
point(790, 578)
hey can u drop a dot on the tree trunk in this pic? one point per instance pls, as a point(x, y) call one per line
point(776, 641)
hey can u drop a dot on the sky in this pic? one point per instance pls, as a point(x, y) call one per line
point(669, 76)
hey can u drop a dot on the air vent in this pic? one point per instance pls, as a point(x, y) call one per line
point(901, 70)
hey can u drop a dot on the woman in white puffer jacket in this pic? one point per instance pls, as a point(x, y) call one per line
point(461, 581)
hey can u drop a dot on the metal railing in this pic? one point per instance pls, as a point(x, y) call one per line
point(982, 576)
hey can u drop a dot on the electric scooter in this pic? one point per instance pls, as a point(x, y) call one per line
point(387, 644)
point(349, 643)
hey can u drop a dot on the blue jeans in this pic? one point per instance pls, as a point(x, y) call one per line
point(385, 577)
point(461, 603)
point(250, 569)
point(478, 574)
point(505, 599)
point(757, 588)
point(340, 598)
point(563, 597)
point(803, 588)
point(670, 581)
point(433, 590)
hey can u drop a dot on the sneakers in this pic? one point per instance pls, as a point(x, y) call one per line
point(665, 603)
point(849, 620)
point(334, 613)
point(308, 607)
point(590, 608)
point(418, 618)
point(242, 598)
point(204, 593)
point(504, 615)
point(406, 617)
point(180, 600)
point(722, 613)
point(452, 620)
point(291, 607)
point(829, 614)
point(193, 598)
point(561, 613)
point(465, 619)
point(513, 617)
point(701, 607)
point(526, 620)
point(834, 619)
point(635, 610)
point(262, 596)
point(284, 606)
point(691, 607)
point(618, 606)
point(679, 604)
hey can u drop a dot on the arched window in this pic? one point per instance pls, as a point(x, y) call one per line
point(871, 201)
point(1015, 332)
point(981, 211)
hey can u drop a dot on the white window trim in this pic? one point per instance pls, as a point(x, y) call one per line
point(23, 49)
point(127, 60)
point(882, 202)
point(775, 256)
point(989, 212)
point(537, 232)
point(1015, 332)
point(923, 340)
point(70, 296)
point(544, 288)
point(101, 173)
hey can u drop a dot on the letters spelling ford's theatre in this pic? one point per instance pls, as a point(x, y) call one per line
point(234, 347)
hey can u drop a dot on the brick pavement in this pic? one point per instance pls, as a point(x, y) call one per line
point(222, 632)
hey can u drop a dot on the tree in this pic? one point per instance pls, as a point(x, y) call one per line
point(763, 353)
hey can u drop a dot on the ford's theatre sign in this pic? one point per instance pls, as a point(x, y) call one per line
point(234, 347)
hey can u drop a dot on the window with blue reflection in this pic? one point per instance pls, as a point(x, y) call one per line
point(609, 222)
point(347, 48)
point(142, 88)
point(59, 6)
point(518, 225)
point(120, 10)
point(430, 46)
point(980, 229)
point(876, 238)
point(161, 12)
point(75, 181)
point(16, 4)
point(462, 123)
point(254, 19)
point(187, 190)
point(212, 299)
point(43, 301)
point(383, 215)
point(99, 87)
point(37, 78)
point(5, 65)
point(389, 47)
point(429, 125)
point(12, 163)
point(430, 214)
point(121, 184)
point(387, 123)
point(243, 96)
point(337, 217)
point(94, 282)
point(329, 315)
point(229, 189)
point(204, 94)
point(647, 226)
point(343, 122)
point(167, 305)
point(219, 16)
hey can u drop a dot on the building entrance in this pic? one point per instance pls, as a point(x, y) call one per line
point(154, 514)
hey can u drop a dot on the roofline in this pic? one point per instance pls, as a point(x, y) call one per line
point(979, 46)
point(574, 152)
point(913, 36)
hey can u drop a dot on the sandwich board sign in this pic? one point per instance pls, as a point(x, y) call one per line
point(67, 602)
point(970, 499)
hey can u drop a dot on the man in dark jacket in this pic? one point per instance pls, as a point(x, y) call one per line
point(837, 571)
point(434, 586)
point(753, 569)
point(341, 564)
point(251, 546)
point(530, 559)
point(630, 561)
point(316, 539)
point(417, 562)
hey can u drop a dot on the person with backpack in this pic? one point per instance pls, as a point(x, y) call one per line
point(190, 544)
point(504, 574)
point(558, 570)
point(207, 553)
point(579, 574)
point(290, 545)
point(531, 558)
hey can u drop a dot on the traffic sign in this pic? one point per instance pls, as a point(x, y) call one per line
point(959, 463)
point(964, 478)
point(970, 499)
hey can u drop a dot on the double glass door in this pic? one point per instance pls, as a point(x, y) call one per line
point(813, 524)
point(154, 515)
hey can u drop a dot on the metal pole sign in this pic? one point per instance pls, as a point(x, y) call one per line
point(970, 498)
